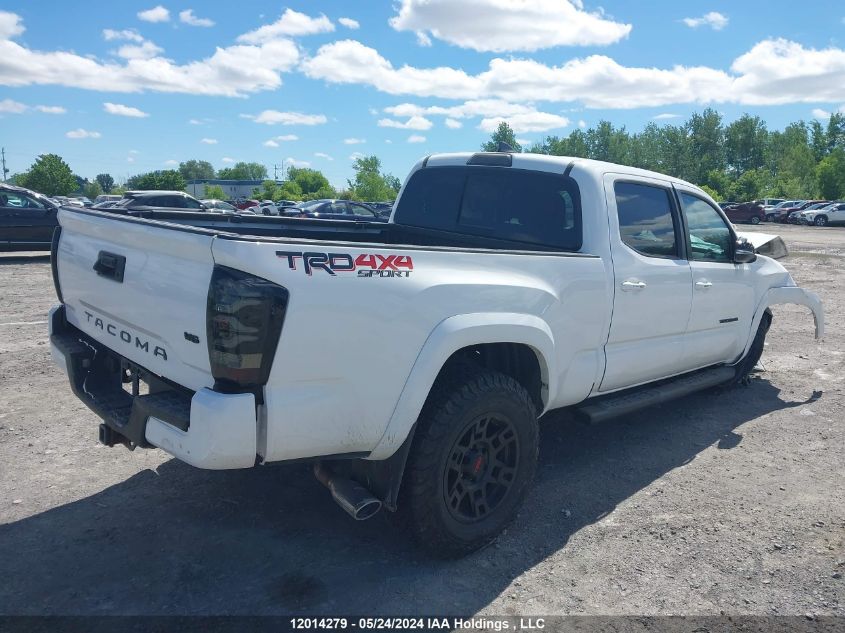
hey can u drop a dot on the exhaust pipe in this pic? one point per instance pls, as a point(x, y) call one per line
point(348, 494)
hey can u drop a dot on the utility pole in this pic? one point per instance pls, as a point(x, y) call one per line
point(3, 154)
point(275, 172)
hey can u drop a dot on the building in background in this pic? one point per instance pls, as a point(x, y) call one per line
point(232, 188)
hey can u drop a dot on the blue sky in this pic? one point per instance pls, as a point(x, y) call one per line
point(127, 86)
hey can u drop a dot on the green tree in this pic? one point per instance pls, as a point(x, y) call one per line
point(215, 192)
point(50, 175)
point(243, 171)
point(370, 183)
point(836, 131)
point(745, 144)
point(166, 180)
point(92, 190)
point(503, 134)
point(196, 170)
point(106, 182)
point(706, 143)
point(711, 192)
point(830, 175)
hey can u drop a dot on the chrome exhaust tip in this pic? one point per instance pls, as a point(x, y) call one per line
point(356, 500)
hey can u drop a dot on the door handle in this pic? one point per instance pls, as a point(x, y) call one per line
point(633, 284)
point(110, 266)
point(704, 285)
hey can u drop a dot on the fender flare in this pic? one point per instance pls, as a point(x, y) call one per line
point(451, 335)
point(781, 295)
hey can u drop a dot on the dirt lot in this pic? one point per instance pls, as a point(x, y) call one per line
point(727, 502)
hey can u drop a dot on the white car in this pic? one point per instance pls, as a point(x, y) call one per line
point(265, 207)
point(834, 213)
point(420, 351)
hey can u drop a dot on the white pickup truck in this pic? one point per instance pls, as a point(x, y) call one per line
point(410, 360)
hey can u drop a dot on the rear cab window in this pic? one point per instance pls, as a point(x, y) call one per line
point(530, 207)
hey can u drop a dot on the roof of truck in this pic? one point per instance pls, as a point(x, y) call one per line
point(546, 162)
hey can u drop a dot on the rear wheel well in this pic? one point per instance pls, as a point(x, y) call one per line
point(517, 360)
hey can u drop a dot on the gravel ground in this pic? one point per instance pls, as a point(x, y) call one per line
point(725, 502)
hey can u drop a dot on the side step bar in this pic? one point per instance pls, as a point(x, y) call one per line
point(614, 405)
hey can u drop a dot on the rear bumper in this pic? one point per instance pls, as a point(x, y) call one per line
point(205, 428)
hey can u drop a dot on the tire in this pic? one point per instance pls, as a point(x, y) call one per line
point(755, 220)
point(455, 497)
point(770, 217)
point(820, 220)
point(747, 364)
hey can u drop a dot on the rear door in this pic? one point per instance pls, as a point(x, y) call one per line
point(723, 292)
point(154, 313)
point(652, 289)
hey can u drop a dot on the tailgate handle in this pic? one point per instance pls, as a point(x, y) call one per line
point(110, 266)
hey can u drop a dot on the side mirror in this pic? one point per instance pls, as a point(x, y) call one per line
point(744, 252)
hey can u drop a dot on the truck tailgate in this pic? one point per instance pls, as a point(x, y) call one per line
point(139, 289)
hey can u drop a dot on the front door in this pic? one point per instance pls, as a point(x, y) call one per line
point(25, 220)
point(723, 292)
point(652, 283)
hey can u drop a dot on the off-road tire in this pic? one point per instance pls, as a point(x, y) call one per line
point(458, 403)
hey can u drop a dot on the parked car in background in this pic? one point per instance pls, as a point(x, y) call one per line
point(265, 207)
point(794, 217)
point(768, 203)
point(773, 213)
point(218, 206)
point(244, 203)
point(81, 200)
point(727, 204)
point(834, 213)
point(106, 204)
point(339, 210)
point(27, 219)
point(750, 212)
point(149, 200)
point(107, 197)
point(801, 205)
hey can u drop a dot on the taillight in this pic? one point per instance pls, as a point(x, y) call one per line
point(54, 261)
point(244, 320)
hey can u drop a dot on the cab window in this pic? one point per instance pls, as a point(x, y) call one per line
point(710, 238)
point(646, 221)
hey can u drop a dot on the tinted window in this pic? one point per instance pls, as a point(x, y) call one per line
point(360, 209)
point(19, 201)
point(504, 203)
point(646, 223)
point(710, 237)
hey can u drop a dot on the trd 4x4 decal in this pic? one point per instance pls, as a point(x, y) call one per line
point(366, 265)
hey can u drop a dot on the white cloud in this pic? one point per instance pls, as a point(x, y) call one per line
point(527, 122)
point(354, 141)
point(187, 16)
point(356, 155)
point(416, 138)
point(413, 123)
point(388, 141)
point(714, 20)
point(582, 123)
point(508, 25)
point(292, 23)
point(274, 142)
point(156, 14)
point(292, 162)
point(147, 50)
point(524, 142)
point(228, 160)
point(50, 109)
point(818, 113)
point(200, 121)
point(171, 163)
point(274, 117)
point(8, 106)
point(126, 34)
point(209, 141)
point(82, 133)
point(321, 154)
point(665, 116)
point(230, 71)
point(124, 110)
point(349, 23)
point(453, 124)
point(469, 109)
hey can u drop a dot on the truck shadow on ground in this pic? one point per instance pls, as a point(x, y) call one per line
point(31, 258)
point(271, 541)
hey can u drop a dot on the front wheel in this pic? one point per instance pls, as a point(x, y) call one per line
point(473, 457)
point(820, 221)
point(755, 220)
